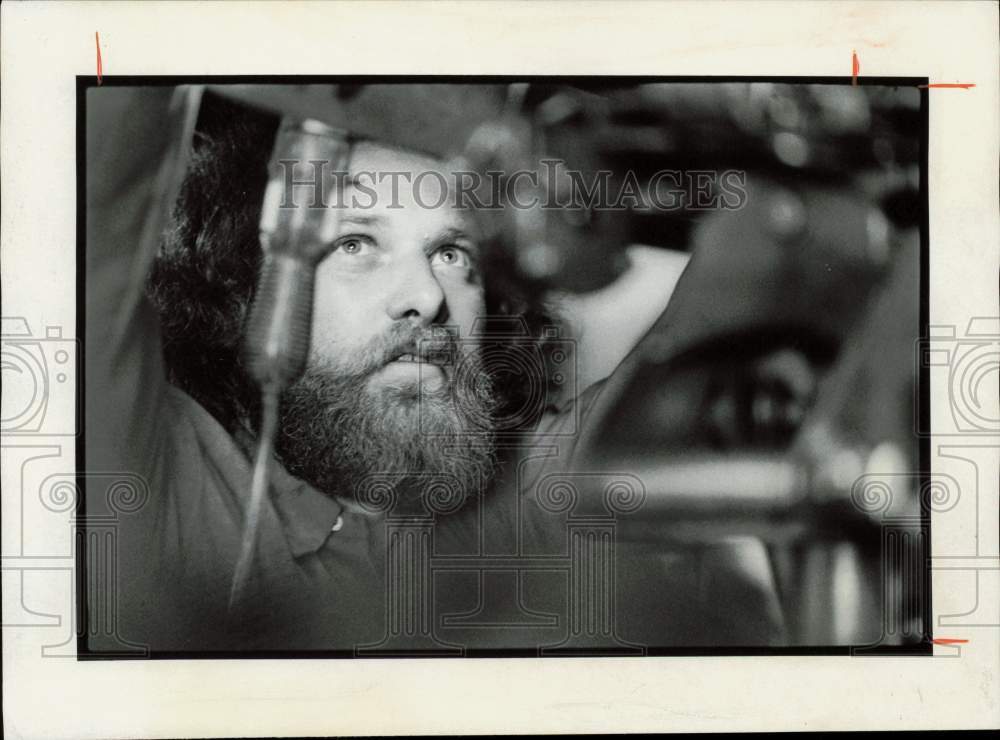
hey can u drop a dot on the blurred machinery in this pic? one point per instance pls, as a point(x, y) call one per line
point(775, 395)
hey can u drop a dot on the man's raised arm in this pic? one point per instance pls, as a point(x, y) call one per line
point(135, 145)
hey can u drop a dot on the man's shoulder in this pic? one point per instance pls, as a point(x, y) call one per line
point(551, 447)
point(200, 433)
point(564, 419)
point(201, 470)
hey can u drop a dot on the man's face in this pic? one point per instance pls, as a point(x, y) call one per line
point(388, 387)
point(402, 259)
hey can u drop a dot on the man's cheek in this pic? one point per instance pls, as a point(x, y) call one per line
point(466, 304)
point(340, 330)
point(344, 307)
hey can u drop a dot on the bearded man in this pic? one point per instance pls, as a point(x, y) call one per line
point(412, 387)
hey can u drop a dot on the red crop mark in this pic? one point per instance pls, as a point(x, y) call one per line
point(855, 67)
point(948, 641)
point(100, 69)
point(962, 85)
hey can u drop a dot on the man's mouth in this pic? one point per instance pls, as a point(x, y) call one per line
point(440, 357)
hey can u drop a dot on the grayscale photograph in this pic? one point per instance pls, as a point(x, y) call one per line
point(502, 367)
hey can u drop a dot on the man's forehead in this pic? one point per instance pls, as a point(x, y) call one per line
point(368, 156)
point(389, 183)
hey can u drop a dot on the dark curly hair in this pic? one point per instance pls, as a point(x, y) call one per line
point(203, 281)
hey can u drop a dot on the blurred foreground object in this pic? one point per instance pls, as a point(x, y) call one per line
point(775, 396)
point(296, 234)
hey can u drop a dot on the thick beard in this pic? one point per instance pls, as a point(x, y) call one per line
point(391, 445)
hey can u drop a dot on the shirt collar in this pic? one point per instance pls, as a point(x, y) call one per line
point(307, 516)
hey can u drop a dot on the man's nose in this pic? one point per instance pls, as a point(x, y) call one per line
point(416, 293)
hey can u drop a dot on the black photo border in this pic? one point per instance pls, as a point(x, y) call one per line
point(921, 420)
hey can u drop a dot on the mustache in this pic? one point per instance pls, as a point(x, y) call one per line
point(436, 344)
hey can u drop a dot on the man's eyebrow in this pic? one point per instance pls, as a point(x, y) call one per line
point(450, 234)
point(360, 220)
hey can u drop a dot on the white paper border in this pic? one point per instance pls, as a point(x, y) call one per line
point(44, 45)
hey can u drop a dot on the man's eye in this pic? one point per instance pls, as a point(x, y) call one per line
point(353, 246)
point(452, 257)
